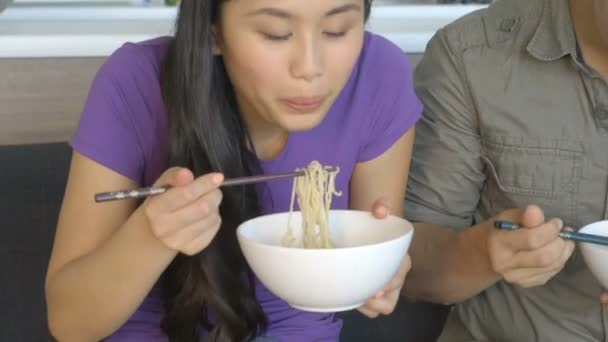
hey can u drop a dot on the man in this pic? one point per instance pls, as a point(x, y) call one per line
point(4, 4)
point(515, 128)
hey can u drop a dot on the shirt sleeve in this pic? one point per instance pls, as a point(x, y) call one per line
point(394, 106)
point(106, 131)
point(446, 173)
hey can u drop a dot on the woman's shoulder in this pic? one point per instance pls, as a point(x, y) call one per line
point(137, 59)
point(382, 104)
point(131, 76)
point(124, 112)
point(381, 73)
point(382, 56)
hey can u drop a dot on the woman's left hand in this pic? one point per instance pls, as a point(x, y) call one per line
point(384, 302)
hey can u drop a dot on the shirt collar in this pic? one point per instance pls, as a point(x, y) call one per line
point(554, 37)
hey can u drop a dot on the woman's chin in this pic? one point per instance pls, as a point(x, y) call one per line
point(301, 123)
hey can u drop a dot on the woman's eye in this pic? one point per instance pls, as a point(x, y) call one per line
point(276, 37)
point(335, 34)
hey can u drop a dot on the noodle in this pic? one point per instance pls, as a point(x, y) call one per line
point(314, 192)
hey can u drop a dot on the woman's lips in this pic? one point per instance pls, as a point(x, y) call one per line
point(305, 105)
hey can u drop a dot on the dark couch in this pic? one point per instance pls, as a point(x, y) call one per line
point(33, 180)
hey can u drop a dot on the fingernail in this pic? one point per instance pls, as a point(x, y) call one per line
point(560, 223)
point(217, 179)
point(177, 171)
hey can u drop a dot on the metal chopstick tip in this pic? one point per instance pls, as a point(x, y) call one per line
point(506, 225)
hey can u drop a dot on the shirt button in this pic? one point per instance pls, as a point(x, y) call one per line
point(508, 24)
point(601, 113)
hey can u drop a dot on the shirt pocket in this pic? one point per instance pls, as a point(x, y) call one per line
point(521, 172)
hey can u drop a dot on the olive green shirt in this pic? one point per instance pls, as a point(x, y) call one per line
point(512, 117)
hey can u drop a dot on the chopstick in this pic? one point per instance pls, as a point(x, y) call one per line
point(564, 234)
point(152, 191)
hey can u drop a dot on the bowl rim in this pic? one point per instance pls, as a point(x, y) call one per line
point(409, 233)
point(589, 226)
point(587, 247)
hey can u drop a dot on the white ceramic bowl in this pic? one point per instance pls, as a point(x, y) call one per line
point(367, 255)
point(596, 256)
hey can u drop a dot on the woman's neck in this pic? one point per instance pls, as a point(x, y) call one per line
point(593, 45)
point(268, 139)
point(269, 145)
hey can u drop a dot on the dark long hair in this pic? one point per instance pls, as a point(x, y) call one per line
point(207, 134)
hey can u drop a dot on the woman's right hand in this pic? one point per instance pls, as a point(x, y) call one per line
point(186, 217)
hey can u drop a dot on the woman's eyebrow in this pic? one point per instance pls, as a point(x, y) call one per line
point(279, 13)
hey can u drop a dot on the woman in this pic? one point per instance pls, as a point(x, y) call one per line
point(244, 87)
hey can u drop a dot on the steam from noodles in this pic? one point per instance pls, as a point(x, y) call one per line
point(314, 192)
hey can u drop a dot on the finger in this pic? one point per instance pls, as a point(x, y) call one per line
point(382, 293)
point(533, 216)
point(405, 267)
point(540, 258)
point(180, 238)
point(368, 312)
point(570, 247)
point(604, 298)
point(393, 298)
point(396, 283)
point(380, 209)
point(533, 238)
point(534, 276)
point(567, 253)
point(175, 176)
point(179, 197)
point(540, 277)
point(536, 280)
point(384, 305)
point(205, 206)
point(201, 242)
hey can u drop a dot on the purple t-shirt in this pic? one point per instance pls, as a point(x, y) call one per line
point(124, 127)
